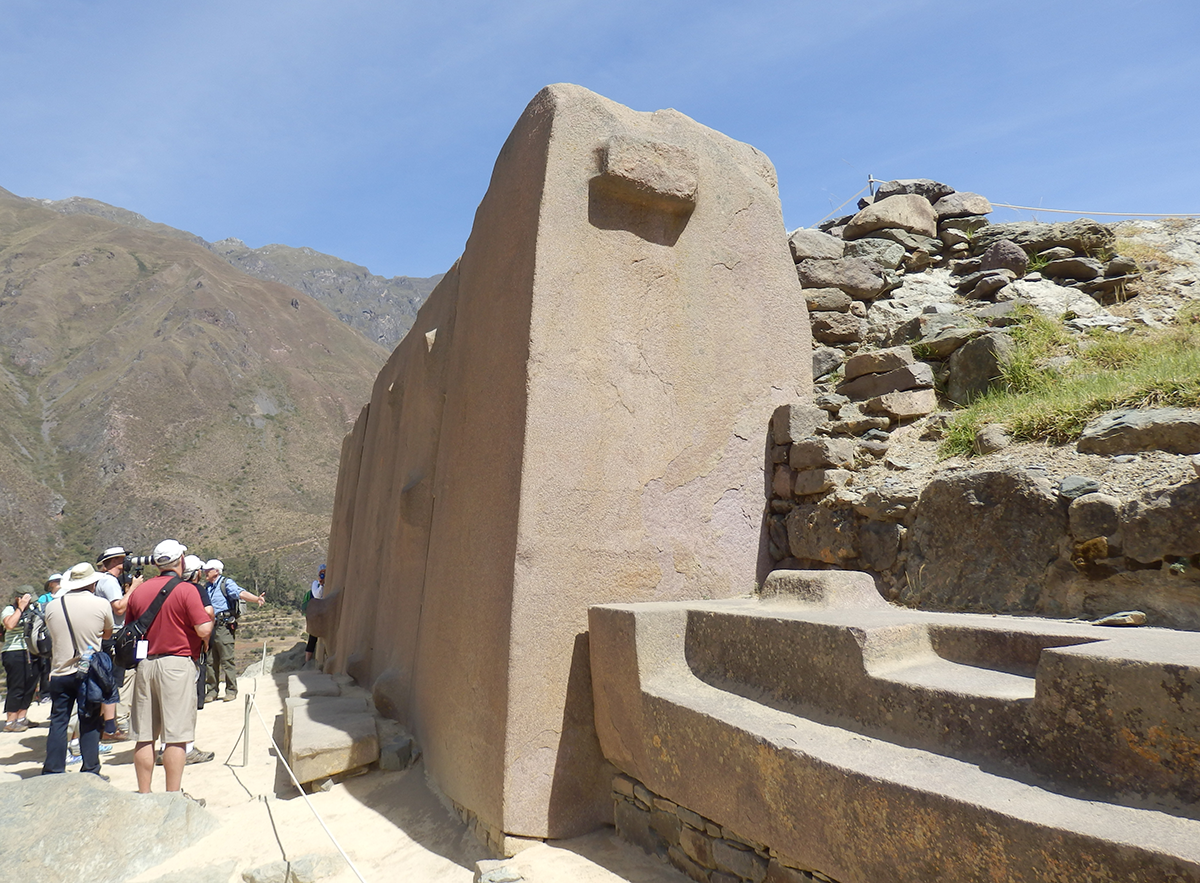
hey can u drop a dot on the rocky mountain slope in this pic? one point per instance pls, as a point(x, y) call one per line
point(150, 389)
point(381, 309)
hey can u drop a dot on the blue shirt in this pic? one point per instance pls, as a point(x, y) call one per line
point(227, 598)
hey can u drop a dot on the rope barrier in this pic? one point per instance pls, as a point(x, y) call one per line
point(1063, 211)
point(280, 756)
point(843, 205)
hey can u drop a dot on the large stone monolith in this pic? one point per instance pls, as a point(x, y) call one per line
point(578, 416)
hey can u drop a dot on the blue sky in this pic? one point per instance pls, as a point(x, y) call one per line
point(368, 129)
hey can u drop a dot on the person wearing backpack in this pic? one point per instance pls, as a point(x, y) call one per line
point(42, 663)
point(164, 689)
point(79, 622)
point(225, 597)
point(18, 668)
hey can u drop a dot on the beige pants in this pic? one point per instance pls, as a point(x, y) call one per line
point(164, 700)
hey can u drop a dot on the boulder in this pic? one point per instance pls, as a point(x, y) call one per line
point(943, 342)
point(859, 278)
point(959, 231)
point(905, 405)
point(907, 212)
point(988, 284)
point(884, 252)
point(1073, 486)
point(1054, 301)
point(961, 205)
point(879, 361)
point(818, 481)
point(852, 420)
point(879, 544)
point(812, 453)
point(1121, 266)
point(814, 244)
point(831, 402)
point(1073, 268)
point(1094, 515)
point(837, 327)
point(795, 422)
point(320, 746)
point(915, 376)
point(912, 242)
point(1164, 523)
point(983, 540)
point(48, 825)
point(781, 482)
point(827, 300)
point(826, 360)
point(991, 438)
point(977, 365)
point(816, 533)
point(1083, 236)
point(930, 190)
point(1005, 255)
point(1175, 430)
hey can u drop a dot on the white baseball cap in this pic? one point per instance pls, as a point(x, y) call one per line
point(167, 552)
point(214, 564)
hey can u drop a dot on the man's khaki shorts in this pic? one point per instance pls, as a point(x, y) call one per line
point(164, 700)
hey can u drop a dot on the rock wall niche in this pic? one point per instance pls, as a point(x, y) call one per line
point(577, 417)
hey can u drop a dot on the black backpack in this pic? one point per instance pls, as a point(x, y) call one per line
point(37, 636)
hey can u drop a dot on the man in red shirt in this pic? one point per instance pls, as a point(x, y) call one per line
point(164, 689)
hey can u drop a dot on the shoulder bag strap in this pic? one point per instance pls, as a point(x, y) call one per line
point(147, 618)
point(70, 631)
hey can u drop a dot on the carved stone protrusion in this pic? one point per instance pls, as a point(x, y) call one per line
point(650, 172)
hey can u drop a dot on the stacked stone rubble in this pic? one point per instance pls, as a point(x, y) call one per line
point(912, 301)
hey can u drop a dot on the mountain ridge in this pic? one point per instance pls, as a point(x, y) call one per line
point(380, 308)
point(154, 390)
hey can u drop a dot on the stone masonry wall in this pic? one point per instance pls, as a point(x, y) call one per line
point(702, 849)
point(912, 300)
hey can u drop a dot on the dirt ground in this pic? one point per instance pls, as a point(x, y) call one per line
point(391, 825)
point(279, 628)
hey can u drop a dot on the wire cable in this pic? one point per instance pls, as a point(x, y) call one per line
point(843, 205)
point(1063, 211)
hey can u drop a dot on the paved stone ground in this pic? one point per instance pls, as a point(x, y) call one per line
point(391, 824)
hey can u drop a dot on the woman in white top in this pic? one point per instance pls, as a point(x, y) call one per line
point(22, 677)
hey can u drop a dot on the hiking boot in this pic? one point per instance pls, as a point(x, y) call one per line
point(15, 727)
point(210, 697)
point(118, 736)
point(229, 697)
point(198, 756)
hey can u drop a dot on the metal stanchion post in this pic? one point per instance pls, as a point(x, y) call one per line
point(246, 732)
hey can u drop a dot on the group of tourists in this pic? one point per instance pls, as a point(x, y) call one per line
point(64, 648)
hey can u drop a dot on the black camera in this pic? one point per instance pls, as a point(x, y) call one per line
point(133, 567)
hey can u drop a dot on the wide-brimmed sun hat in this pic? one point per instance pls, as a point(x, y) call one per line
point(82, 574)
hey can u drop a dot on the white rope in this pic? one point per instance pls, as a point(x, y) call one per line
point(1063, 211)
point(842, 206)
point(296, 782)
